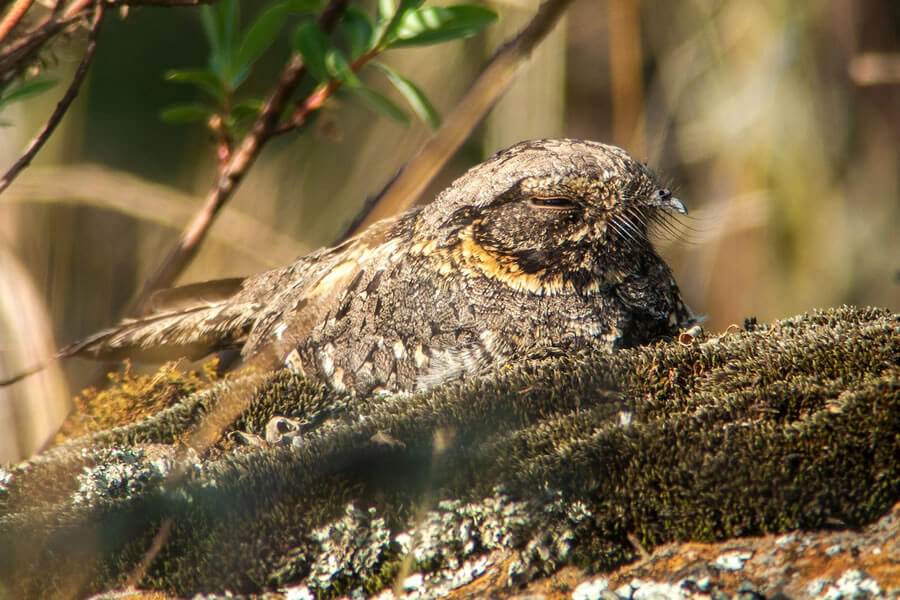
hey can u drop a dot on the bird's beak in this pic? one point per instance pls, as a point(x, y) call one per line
point(677, 205)
point(665, 199)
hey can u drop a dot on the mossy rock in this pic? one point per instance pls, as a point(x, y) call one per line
point(558, 460)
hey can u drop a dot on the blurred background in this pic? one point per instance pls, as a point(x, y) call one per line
point(777, 123)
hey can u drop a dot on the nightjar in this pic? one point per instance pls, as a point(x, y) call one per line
point(541, 248)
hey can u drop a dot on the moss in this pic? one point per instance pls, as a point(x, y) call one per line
point(129, 398)
point(556, 460)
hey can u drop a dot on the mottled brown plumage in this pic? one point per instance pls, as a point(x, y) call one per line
point(543, 247)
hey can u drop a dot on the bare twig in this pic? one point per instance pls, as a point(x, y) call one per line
point(172, 3)
point(159, 540)
point(23, 374)
point(875, 68)
point(110, 189)
point(17, 52)
point(79, 5)
point(318, 97)
point(63, 104)
point(13, 16)
point(21, 48)
point(233, 170)
point(494, 79)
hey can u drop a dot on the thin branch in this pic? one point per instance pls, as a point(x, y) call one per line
point(63, 105)
point(13, 16)
point(159, 2)
point(21, 47)
point(17, 51)
point(318, 97)
point(14, 54)
point(159, 540)
point(875, 68)
point(22, 375)
point(78, 5)
point(233, 170)
point(402, 191)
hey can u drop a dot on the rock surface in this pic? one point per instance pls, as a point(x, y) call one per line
point(756, 463)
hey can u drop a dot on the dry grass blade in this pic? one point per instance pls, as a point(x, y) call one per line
point(111, 189)
point(30, 411)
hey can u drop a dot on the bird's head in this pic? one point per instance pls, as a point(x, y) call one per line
point(553, 215)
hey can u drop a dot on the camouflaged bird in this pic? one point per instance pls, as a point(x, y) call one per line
point(541, 248)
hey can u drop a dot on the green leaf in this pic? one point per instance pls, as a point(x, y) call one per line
point(229, 20)
point(246, 108)
point(386, 10)
point(358, 30)
point(239, 77)
point(380, 103)
point(413, 96)
point(26, 90)
point(220, 24)
point(312, 44)
point(205, 80)
point(435, 24)
point(242, 115)
point(186, 113)
point(389, 31)
point(340, 69)
point(383, 16)
point(208, 20)
point(260, 35)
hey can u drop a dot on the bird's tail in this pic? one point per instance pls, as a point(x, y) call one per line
point(191, 321)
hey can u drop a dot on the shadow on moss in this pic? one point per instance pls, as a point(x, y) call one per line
point(559, 460)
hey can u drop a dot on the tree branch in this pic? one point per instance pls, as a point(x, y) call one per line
point(16, 53)
point(63, 105)
point(233, 170)
point(19, 49)
point(13, 16)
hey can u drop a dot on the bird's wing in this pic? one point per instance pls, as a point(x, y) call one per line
point(315, 287)
point(275, 310)
point(193, 332)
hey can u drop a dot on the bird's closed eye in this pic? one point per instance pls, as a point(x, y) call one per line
point(551, 202)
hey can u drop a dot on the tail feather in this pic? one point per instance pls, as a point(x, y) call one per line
point(194, 295)
point(191, 332)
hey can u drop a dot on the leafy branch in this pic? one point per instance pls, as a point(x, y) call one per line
point(23, 41)
point(333, 65)
point(71, 92)
point(232, 54)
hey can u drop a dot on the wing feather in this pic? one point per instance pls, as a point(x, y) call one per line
point(287, 320)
